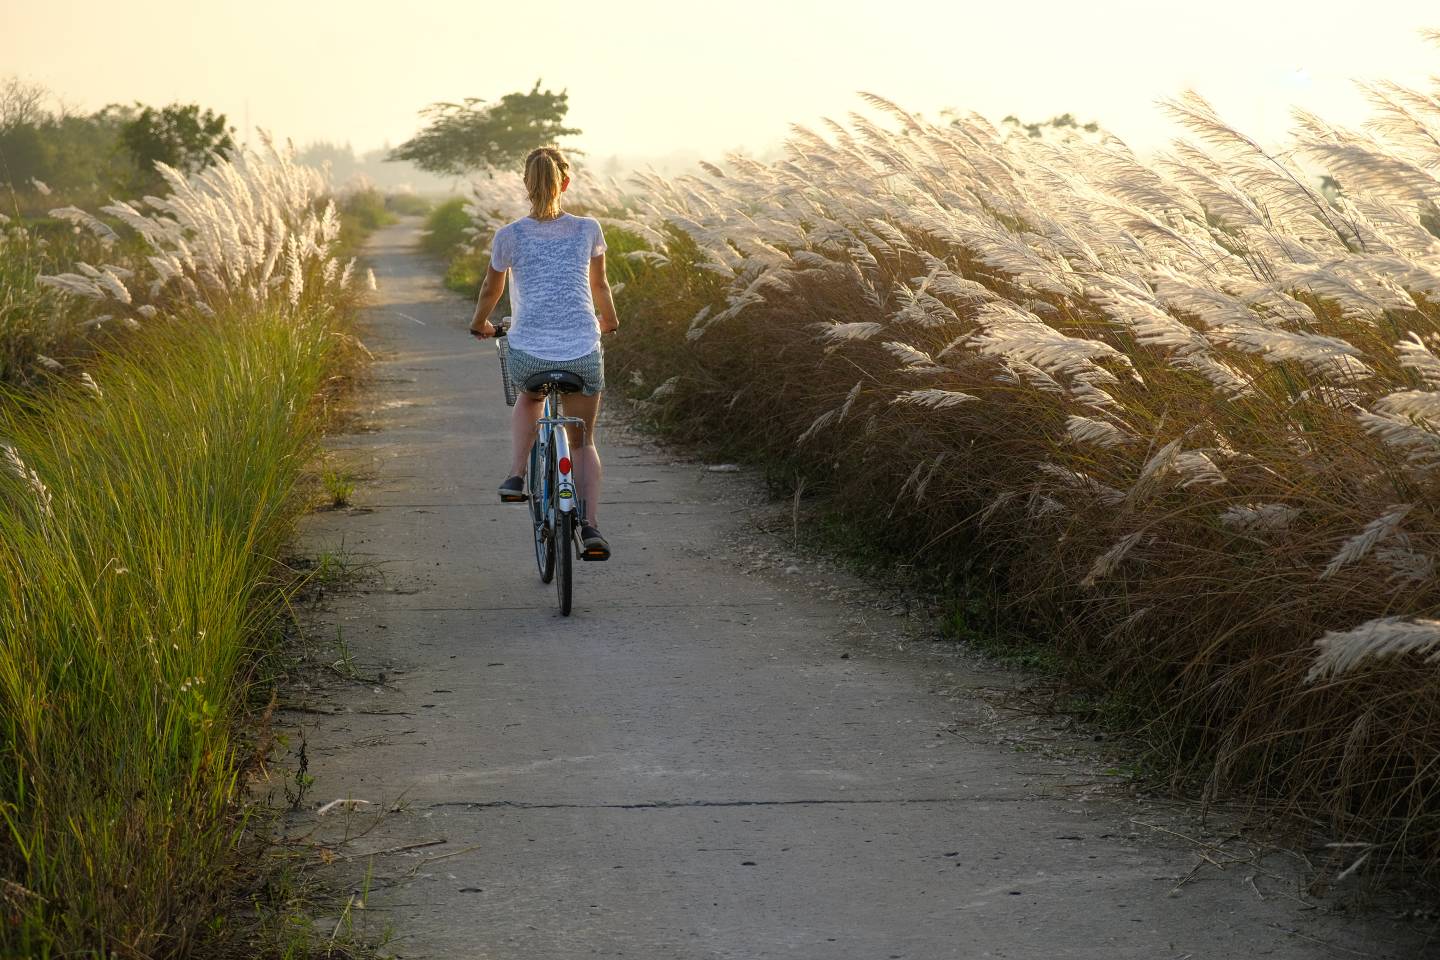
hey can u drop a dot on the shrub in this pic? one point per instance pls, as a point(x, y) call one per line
point(408, 204)
point(447, 228)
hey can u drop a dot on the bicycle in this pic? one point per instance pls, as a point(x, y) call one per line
point(550, 489)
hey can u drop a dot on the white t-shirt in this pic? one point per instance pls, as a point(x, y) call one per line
point(552, 313)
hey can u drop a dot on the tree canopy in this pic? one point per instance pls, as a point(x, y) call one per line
point(181, 135)
point(474, 135)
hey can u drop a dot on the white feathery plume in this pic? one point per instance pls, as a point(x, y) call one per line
point(830, 416)
point(995, 505)
point(1377, 531)
point(1040, 505)
point(1406, 565)
point(836, 332)
point(933, 399)
point(908, 355)
point(1420, 444)
point(73, 283)
point(30, 478)
point(1155, 467)
point(1417, 356)
point(1083, 482)
point(110, 281)
point(958, 288)
point(1197, 469)
point(1419, 406)
point(663, 391)
point(80, 218)
point(211, 233)
point(1340, 651)
point(1257, 517)
point(1101, 433)
point(1010, 332)
point(1106, 563)
point(88, 382)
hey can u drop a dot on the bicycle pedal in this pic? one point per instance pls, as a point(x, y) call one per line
point(513, 498)
point(594, 555)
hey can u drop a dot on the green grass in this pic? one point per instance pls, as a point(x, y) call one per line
point(445, 228)
point(361, 214)
point(137, 590)
point(339, 486)
point(445, 237)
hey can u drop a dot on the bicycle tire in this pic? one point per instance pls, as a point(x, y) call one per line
point(539, 504)
point(564, 543)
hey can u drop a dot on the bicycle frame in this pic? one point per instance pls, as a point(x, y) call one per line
point(551, 437)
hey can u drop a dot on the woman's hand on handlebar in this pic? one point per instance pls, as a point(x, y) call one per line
point(483, 330)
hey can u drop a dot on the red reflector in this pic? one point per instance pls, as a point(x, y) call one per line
point(564, 464)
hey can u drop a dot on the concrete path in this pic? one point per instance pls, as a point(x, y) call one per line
point(703, 762)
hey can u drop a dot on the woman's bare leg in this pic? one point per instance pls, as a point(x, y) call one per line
point(585, 454)
point(522, 430)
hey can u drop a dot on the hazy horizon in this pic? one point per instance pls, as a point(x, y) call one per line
point(650, 81)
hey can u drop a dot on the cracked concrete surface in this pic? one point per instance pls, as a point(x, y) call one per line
point(703, 762)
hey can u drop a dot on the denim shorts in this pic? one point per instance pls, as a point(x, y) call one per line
point(589, 368)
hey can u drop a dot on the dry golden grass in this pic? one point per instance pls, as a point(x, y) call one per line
point(1183, 414)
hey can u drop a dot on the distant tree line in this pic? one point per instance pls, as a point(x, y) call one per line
point(1062, 126)
point(113, 149)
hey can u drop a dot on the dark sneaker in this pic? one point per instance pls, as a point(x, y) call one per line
point(513, 490)
point(592, 545)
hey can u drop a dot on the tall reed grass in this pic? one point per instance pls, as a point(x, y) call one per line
point(1181, 414)
point(143, 503)
point(36, 321)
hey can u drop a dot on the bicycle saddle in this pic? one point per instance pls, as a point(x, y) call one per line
point(562, 380)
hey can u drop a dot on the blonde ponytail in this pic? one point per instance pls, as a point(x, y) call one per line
point(545, 170)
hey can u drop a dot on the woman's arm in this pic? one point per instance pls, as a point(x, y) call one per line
point(490, 290)
point(600, 293)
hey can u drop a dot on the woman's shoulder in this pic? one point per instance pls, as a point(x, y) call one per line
point(588, 225)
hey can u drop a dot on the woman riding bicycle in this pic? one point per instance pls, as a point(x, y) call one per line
point(560, 304)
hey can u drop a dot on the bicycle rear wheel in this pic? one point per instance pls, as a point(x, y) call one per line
point(564, 544)
point(539, 479)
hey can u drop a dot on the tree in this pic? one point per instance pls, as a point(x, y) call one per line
point(462, 137)
point(179, 135)
point(22, 103)
point(1064, 127)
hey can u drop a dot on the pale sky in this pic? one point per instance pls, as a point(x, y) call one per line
point(652, 78)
